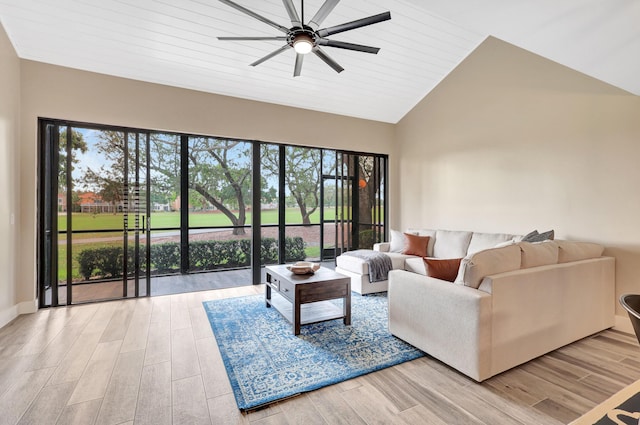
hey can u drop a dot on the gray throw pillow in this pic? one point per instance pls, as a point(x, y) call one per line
point(539, 237)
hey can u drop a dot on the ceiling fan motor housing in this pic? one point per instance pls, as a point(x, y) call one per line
point(305, 34)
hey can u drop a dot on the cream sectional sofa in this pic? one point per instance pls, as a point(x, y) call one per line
point(442, 244)
point(510, 303)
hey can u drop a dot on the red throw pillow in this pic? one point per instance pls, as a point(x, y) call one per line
point(445, 269)
point(416, 245)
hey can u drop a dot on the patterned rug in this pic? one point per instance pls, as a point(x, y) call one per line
point(265, 362)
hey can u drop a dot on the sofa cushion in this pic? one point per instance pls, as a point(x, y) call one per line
point(415, 265)
point(474, 267)
point(575, 251)
point(451, 244)
point(416, 245)
point(480, 241)
point(398, 260)
point(398, 240)
point(536, 254)
point(442, 268)
point(426, 232)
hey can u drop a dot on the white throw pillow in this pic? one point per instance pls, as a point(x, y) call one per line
point(397, 241)
point(480, 241)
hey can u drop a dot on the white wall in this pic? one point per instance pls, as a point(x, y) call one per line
point(511, 142)
point(9, 181)
point(56, 92)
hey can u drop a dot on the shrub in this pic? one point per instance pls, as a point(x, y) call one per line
point(107, 262)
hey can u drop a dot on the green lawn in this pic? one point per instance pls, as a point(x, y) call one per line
point(105, 221)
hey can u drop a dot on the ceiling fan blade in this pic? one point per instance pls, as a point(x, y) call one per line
point(255, 15)
point(251, 38)
point(293, 14)
point(355, 24)
point(270, 55)
point(322, 13)
point(298, 67)
point(348, 46)
point(322, 55)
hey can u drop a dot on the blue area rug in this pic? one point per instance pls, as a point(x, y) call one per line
point(266, 362)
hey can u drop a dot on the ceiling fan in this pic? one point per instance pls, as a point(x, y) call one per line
point(307, 38)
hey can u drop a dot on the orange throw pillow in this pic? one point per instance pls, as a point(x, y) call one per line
point(445, 269)
point(416, 245)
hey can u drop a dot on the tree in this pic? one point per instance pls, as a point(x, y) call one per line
point(220, 172)
point(367, 187)
point(108, 181)
point(78, 144)
point(302, 177)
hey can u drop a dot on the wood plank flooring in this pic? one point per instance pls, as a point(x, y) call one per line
point(155, 361)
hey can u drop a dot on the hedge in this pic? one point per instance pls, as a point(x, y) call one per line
point(107, 262)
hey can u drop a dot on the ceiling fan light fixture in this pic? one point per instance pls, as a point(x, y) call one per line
point(303, 44)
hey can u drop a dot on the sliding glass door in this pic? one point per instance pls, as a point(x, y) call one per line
point(126, 212)
point(94, 210)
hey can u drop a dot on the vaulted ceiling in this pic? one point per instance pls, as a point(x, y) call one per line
point(174, 42)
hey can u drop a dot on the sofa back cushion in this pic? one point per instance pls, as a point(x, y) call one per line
point(481, 241)
point(536, 254)
point(426, 232)
point(474, 267)
point(451, 243)
point(576, 251)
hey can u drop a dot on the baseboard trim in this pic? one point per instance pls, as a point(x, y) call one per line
point(28, 307)
point(623, 324)
point(14, 311)
point(8, 315)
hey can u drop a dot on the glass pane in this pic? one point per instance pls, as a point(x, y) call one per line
point(219, 183)
point(164, 203)
point(329, 158)
point(269, 245)
point(269, 170)
point(99, 263)
point(220, 249)
point(270, 196)
point(302, 243)
point(302, 185)
point(219, 203)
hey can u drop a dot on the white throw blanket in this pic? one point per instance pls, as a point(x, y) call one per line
point(379, 264)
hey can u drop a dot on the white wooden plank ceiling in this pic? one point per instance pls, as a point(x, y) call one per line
point(174, 42)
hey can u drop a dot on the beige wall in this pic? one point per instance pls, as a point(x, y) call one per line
point(9, 182)
point(57, 92)
point(511, 142)
point(508, 142)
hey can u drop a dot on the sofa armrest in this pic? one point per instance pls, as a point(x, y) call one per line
point(382, 246)
point(540, 309)
point(449, 322)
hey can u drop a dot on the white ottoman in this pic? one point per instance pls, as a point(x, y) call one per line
point(358, 270)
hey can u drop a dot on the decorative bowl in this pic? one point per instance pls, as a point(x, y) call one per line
point(303, 267)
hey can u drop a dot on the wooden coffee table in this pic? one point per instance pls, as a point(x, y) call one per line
point(305, 297)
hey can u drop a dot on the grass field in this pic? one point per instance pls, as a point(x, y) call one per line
point(106, 221)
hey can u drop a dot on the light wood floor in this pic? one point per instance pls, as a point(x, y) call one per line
point(155, 361)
